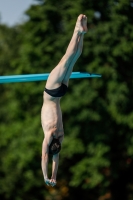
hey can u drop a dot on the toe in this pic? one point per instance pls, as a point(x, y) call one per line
point(80, 17)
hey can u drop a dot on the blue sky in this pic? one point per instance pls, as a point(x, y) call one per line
point(12, 11)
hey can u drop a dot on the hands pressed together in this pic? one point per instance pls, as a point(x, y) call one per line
point(50, 182)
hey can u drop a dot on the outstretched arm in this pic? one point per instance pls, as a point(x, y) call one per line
point(54, 169)
point(55, 165)
point(44, 162)
point(45, 157)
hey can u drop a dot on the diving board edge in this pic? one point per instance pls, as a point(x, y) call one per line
point(43, 77)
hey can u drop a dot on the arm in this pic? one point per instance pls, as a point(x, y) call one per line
point(54, 169)
point(55, 165)
point(45, 159)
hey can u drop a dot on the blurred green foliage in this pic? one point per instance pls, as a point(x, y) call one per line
point(96, 161)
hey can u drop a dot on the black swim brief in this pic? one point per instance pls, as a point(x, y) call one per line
point(58, 92)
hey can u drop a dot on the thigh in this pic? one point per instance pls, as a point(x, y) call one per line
point(57, 74)
point(70, 69)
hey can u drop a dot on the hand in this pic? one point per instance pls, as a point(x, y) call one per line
point(52, 182)
point(47, 181)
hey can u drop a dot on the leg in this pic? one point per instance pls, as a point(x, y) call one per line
point(61, 72)
point(77, 55)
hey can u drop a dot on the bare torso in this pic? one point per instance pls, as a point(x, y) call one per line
point(51, 116)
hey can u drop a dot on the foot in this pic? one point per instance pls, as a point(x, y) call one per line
point(81, 24)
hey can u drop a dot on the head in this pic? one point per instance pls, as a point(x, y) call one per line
point(55, 146)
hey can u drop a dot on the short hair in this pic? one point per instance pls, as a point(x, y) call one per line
point(54, 147)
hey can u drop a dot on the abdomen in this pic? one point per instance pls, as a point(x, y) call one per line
point(51, 116)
